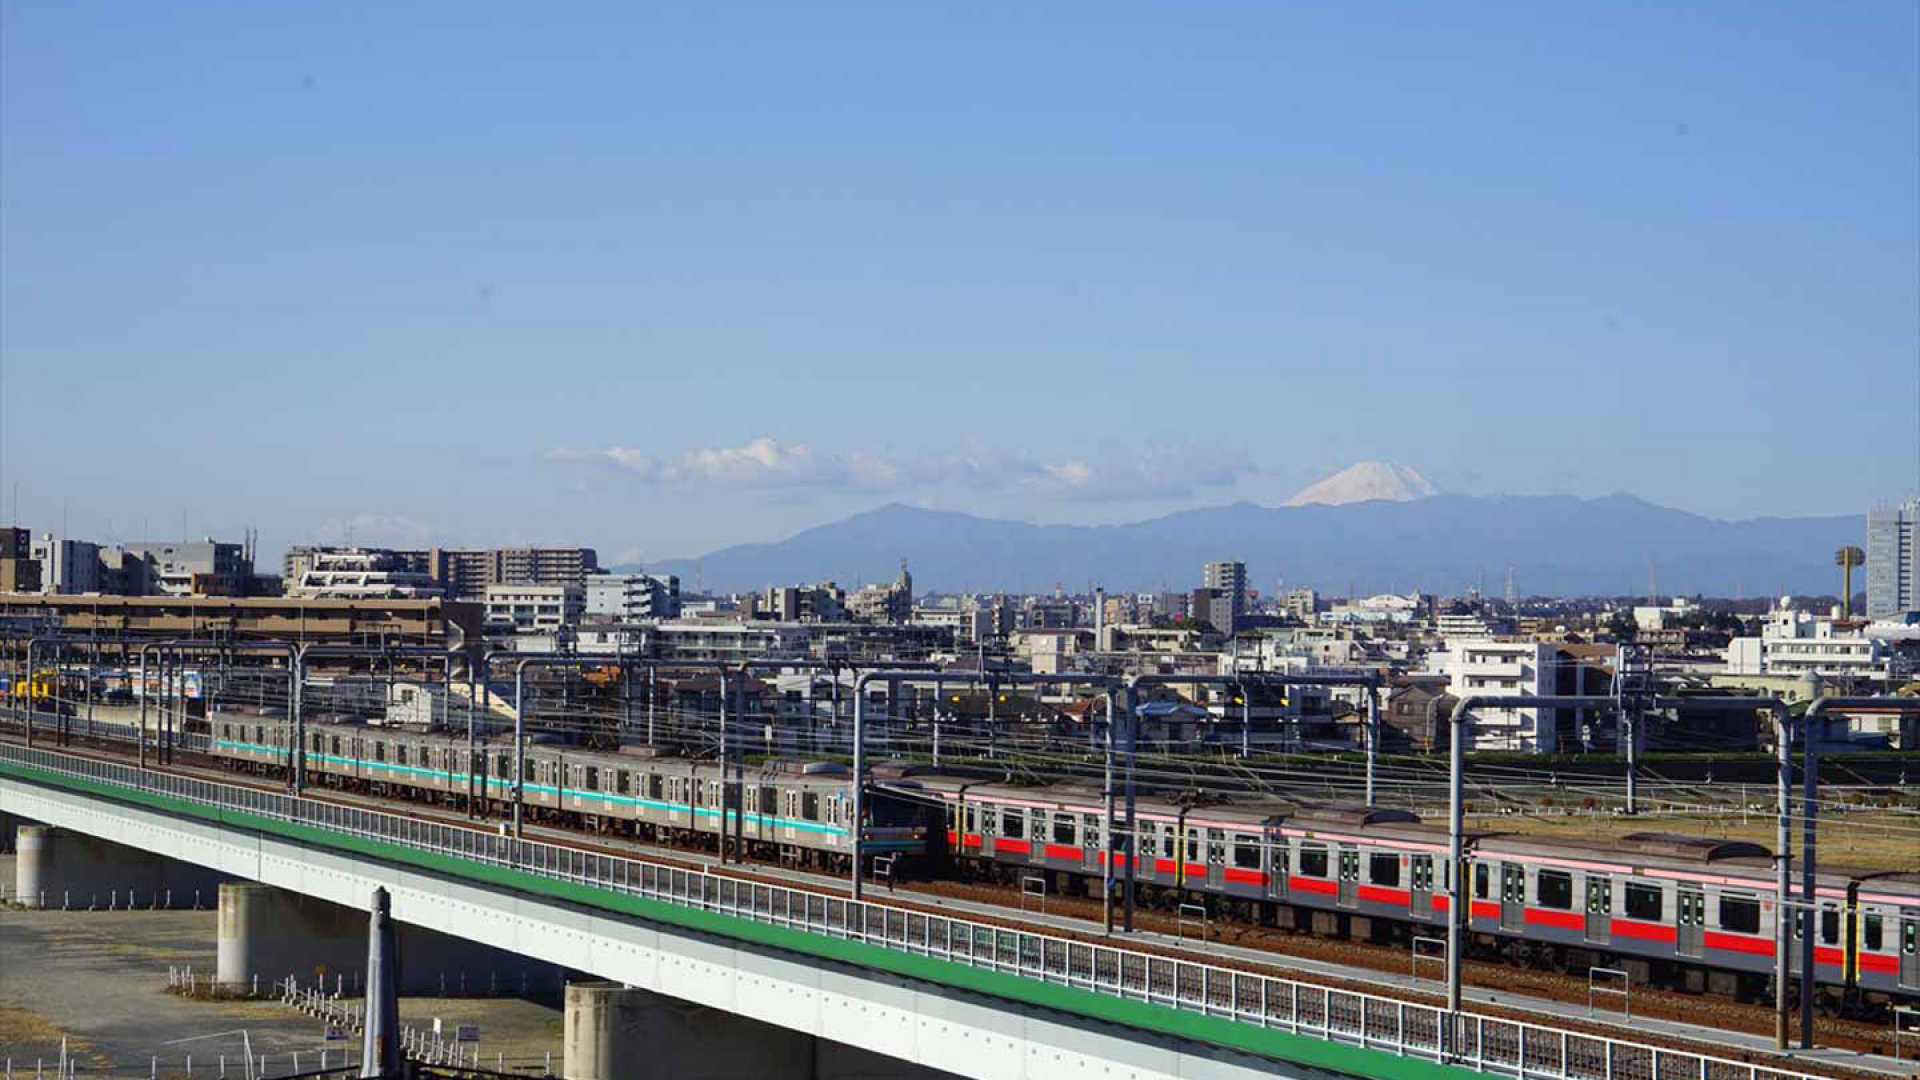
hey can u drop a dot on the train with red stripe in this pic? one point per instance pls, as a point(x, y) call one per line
point(1688, 912)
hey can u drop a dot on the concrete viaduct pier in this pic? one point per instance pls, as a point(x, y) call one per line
point(60, 868)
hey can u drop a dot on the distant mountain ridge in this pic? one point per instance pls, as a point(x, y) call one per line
point(1558, 545)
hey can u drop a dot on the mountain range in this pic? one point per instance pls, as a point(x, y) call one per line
point(1557, 545)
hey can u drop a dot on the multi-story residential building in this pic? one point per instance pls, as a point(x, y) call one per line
point(1216, 608)
point(1893, 561)
point(885, 603)
point(1301, 604)
point(205, 568)
point(970, 625)
point(533, 608)
point(19, 570)
point(465, 573)
point(1230, 579)
point(714, 639)
point(1472, 624)
point(1049, 613)
point(825, 602)
point(1477, 665)
point(632, 597)
point(543, 566)
point(67, 567)
point(1795, 643)
point(354, 574)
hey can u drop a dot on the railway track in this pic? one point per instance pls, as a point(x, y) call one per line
point(988, 903)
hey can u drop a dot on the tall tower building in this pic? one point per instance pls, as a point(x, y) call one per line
point(1893, 560)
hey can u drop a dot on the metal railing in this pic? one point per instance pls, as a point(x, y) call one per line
point(1492, 1045)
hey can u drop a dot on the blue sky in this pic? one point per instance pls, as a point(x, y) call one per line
point(663, 277)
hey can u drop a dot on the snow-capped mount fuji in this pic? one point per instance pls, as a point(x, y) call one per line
point(1366, 481)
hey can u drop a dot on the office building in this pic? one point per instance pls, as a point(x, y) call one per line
point(1893, 561)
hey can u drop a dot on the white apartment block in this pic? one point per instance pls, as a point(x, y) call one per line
point(534, 608)
point(632, 597)
point(1506, 669)
point(1797, 643)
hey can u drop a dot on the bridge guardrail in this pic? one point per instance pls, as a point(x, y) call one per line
point(1497, 1046)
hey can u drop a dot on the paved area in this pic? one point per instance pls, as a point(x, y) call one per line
point(98, 981)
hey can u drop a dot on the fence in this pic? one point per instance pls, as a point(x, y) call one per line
point(1496, 1046)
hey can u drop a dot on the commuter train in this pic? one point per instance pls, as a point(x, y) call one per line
point(1689, 912)
point(1682, 911)
point(795, 811)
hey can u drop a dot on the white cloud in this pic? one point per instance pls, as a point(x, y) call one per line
point(767, 463)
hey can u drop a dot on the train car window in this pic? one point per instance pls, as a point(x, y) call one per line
point(1013, 824)
point(593, 778)
point(1313, 860)
point(769, 800)
point(1871, 934)
point(531, 770)
point(810, 805)
point(318, 744)
point(1065, 829)
point(1384, 869)
point(226, 731)
point(1830, 925)
point(400, 753)
point(1193, 845)
point(1740, 914)
point(379, 751)
point(1480, 880)
point(1643, 902)
point(336, 745)
point(622, 782)
point(1555, 889)
point(1246, 852)
point(654, 783)
point(259, 733)
point(1167, 842)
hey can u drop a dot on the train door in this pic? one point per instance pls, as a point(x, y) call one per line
point(1599, 908)
point(1092, 837)
point(1513, 896)
point(1216, 858)
point(1420, 875)
point(1349, 875)
point(1038, 830)
point(1690, 911)
point(1910, 947)
point(1278, 872)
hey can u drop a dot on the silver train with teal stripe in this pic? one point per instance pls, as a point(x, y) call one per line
point(800, 812)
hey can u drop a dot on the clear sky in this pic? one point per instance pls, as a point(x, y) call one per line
point(660, 277)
